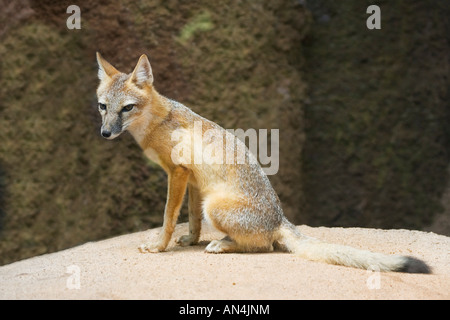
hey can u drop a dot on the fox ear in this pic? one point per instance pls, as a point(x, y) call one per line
point(105, 69)
point(142, 73)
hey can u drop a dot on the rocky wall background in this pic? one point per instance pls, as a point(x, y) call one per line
point(363, 114)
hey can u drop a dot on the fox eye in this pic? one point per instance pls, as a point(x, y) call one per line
point(102, 106)
point(128, 107)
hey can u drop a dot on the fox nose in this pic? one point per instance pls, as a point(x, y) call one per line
point(106, 134)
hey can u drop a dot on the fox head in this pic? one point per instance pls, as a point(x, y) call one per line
point(122, 98)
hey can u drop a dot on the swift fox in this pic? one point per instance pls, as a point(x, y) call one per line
point(236, 198)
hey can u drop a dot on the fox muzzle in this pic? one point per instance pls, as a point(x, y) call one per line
point(111, 127)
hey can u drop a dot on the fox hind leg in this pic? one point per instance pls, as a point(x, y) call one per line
point(228, 245)
point(244, 225)
point(222, 246)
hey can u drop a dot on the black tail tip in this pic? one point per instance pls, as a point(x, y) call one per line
point(414, 265)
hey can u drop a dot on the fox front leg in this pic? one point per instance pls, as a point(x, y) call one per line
point(195, 218)
point(177, 182)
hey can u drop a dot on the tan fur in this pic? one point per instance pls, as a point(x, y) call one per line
point(236, 198)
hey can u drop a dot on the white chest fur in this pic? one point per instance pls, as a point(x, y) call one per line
point(152, 155)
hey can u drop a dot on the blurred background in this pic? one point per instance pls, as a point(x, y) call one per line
point(363, 114)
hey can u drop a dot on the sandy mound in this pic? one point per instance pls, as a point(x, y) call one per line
point(114, 269)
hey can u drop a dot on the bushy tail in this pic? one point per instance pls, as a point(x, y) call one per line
point(316, 250)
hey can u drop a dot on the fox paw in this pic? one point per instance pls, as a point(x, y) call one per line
point(150, 247)
point(221, 246)
point(187, 240)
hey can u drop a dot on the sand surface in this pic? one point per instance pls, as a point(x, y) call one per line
point(115, 269)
